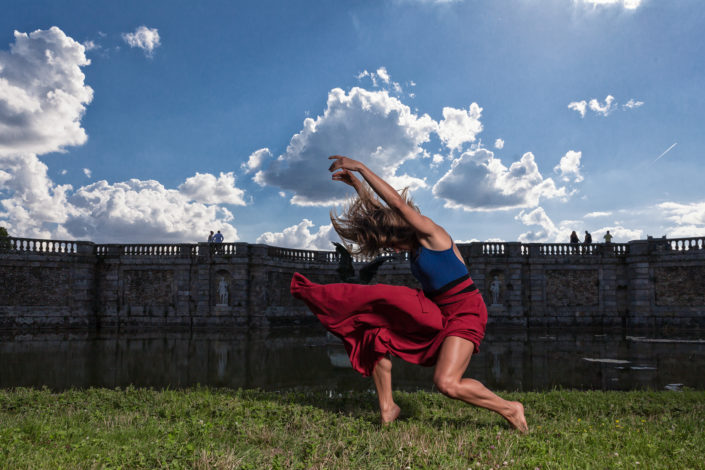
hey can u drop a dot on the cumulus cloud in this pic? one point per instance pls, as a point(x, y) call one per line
point(370, 126)
point(549, 232)
point(206, 188)
point(87, 172)
point(42, 100)
point(579, 106)
point(689, 219)
point(477, 181)
point(143, 38)
point(300, 236)
point(256, 159)
point(42, 93)
point(460, 126)
point(499, 144)
point(599, 108)
point(626, 4)
point(142, 211)
point(569, 167)
point(31, 203)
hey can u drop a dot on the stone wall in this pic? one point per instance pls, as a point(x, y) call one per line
point(79, 284)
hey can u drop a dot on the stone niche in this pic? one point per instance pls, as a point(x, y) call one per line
point(679, 285)
point(34, 286)
point(495, 288)
point(222, 288)
point(148, 287)
point(572, 287)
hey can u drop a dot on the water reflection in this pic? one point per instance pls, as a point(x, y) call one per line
point(306, 358)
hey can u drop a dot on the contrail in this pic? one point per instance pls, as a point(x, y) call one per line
point(664, 153)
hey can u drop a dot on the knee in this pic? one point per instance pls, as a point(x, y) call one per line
point(448, 386)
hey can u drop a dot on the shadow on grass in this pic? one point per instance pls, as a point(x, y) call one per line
point(428, 409)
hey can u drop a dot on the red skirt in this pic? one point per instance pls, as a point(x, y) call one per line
point(375, 320)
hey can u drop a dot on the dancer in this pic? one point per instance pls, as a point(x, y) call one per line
point(442, 325)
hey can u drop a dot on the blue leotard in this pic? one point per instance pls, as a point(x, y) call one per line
point(435, 269)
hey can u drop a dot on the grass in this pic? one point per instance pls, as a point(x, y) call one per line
point(221, 428)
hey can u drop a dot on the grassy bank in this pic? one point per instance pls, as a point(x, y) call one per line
point(216, 428)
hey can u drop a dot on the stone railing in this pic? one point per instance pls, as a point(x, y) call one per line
point(685, 244)
point(147, 249)
point(468, 250)
point(494, 248)
point(33, 245)
point(294, 254)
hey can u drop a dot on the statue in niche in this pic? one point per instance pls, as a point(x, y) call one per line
point(495, 287)
point(222, 292)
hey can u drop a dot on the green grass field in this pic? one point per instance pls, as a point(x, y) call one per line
point(221, 428)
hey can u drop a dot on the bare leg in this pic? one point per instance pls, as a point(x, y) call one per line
point(453, 360)
point(382, 376)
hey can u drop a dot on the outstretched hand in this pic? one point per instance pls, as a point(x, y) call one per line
point(342, 168)
point(346, 177)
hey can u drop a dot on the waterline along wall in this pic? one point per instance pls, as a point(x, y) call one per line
point(74, 284)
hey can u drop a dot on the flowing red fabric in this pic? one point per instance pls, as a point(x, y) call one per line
point(375, 320)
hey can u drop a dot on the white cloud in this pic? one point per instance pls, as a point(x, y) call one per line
point(206, 188)
point(300, 236)
point(256, 159)
point(569, 167)
point(383, 74)
point(460, 126)
point(689, 219)
point(63, 172)
point(42, 93)
point(87, 172)
point(619, 233)
point(144, 38)
point(142, 211)
point(579, 106)
point(597, 214)
point(499, 144)
point(627, 4)
point(632, 103)
point(604, 109)
point(370, 126)
point(91, 45)
point(31, 203)
point(548, 232)
point(42, 100)
point(477, 181)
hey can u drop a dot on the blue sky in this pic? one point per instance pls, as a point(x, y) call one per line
point(510, 120)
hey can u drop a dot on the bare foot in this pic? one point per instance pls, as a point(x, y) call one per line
point(516, 417)
point(390, 415)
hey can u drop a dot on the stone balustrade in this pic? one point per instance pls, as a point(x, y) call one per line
point(47, 283)
point(500, 249)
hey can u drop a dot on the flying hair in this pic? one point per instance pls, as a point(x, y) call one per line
point(367, 226)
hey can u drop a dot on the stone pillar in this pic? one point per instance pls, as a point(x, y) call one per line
point(640, 285)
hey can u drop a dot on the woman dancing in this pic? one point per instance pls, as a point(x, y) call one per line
point(442, 325)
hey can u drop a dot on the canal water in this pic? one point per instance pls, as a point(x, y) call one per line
point(307, 359)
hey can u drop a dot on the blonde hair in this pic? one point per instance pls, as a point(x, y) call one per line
point(371, 226)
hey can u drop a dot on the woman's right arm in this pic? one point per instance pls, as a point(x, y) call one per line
point(425, 227)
